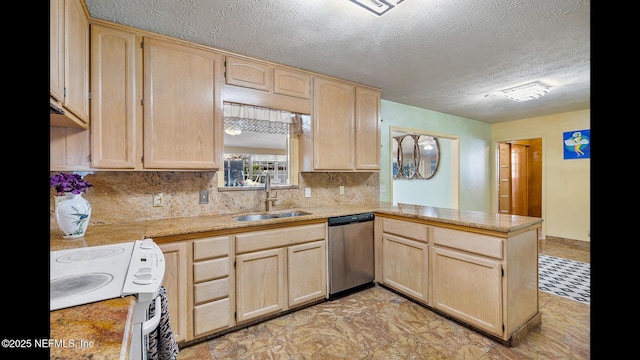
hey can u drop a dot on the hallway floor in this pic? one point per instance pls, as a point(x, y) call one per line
point(378, 324)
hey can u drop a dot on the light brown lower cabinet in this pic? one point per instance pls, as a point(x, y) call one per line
point(279, 269)
point(212, 290)
point(487, 280)
point(468, 287)
point(175, 282)
point(405, 266)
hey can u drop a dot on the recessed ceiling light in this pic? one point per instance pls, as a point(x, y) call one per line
point(526, 92)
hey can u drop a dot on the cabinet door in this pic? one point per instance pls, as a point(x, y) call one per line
point(175, 281)
point(211, 316)
point(468, 287)
point(76, 60)
point(182, 120)
point(333, 125)
point(114, 107)
point(367, 132)
point(261, 289)
point(405, 266)
point(291, 83)
point(56, 49)
point(307, 272)
point(247, 73)
point(69, 149)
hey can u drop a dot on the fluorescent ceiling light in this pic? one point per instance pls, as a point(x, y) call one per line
point(378, 7)
point(525, 92)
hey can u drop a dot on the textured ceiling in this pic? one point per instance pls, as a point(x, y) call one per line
point(451, 56)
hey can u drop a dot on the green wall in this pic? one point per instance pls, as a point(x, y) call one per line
point(474, 146)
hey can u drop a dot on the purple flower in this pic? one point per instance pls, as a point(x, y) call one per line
point(64, 183)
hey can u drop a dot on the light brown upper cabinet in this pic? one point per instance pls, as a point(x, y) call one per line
point(367, 130)
point(277, 87)
point(69, 63)
point(343, 135)
point(116, 78)
point(182, 106)
point(291, 83)
point(249, 73)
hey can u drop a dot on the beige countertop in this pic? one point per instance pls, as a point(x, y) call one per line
point(107, 323)
point(124, 232)
point(100, 330)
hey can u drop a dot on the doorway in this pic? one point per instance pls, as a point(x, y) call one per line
point(520, 177)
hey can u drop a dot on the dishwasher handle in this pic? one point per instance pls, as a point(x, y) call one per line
point(350, 219)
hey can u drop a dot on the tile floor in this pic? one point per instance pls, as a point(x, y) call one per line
point(379, 324)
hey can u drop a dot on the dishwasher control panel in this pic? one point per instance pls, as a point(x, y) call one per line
point(349, 219)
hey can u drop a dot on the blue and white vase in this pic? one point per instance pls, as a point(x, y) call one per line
point(72, 214)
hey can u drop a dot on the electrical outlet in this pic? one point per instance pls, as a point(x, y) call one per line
point(307, 192)
point(341, 189)
point(204, 197)
point(383, 188)
point(158, 200)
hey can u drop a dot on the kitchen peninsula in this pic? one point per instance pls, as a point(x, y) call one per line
point(462, 257)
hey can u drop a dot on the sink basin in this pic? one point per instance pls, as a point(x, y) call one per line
point(253, 217)
point(293, 213)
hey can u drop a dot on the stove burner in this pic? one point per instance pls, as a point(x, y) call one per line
point(77, 284)
point(90, 254)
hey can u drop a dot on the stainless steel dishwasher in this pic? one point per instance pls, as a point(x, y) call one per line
point(350, 253)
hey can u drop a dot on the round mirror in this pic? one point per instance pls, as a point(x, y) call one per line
point(428, 156)
point(408, 168)
point(397, 156)
point(414, 155)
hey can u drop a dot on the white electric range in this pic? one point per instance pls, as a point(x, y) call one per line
point(84, 275)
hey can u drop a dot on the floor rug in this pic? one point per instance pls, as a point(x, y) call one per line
point(567, 278)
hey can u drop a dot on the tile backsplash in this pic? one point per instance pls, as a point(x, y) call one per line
point(128, 196)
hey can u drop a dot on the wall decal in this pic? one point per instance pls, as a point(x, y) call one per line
point(577, 144)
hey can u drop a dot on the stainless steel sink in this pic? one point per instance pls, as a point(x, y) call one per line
point(293, 213)
point(253, 217)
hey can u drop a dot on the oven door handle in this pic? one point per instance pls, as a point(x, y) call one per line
point(151, 324)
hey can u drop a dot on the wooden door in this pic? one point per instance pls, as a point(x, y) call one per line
point(519, 189)
point(504, 178)
point(520, 177)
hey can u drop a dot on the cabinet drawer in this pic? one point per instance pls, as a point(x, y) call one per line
point(211, 316)
point(210, 269)
point(210, 290)
point(267, 239)
point(466, 241)
point(211, 247)
point(405, 229)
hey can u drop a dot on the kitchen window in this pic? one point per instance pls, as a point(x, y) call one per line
point(257, 141)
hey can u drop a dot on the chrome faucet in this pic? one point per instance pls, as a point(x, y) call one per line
point(267, 187)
